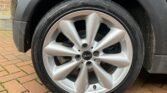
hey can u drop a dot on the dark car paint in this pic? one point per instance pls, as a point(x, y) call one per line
point(24, 10)
point(156, 9)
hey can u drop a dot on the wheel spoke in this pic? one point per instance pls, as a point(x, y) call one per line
point(61, 72)
point(119, 60)
point(114, 36)
point(70, 32)
point(82, 80)
point(92, 26)
point(56, 49)
point(104, 78)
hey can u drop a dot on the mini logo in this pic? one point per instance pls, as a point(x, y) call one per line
point(87, 55)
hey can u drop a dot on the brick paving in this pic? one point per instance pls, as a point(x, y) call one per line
point(17, 74)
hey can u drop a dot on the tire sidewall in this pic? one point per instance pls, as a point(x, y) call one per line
point(108, 7)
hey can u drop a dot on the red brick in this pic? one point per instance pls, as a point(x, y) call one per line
point(14, 87)
point(28, 69)
point(3, 73)
point(11, 68)
point(8, 53)
point(9, 62)
point(1, 69)
point(24, 63)
point(4, 91)
point(24, 57)
point(1, 57)
point(10, 57)
point(12, 76)
point(3, 60)
point(27, 78)
point(1, 88)
point(35, 87)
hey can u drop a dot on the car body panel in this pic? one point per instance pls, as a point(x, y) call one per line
point(22, 15)
point(157, 11)
point(25, 9)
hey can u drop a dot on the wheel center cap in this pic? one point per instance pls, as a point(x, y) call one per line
point(87, 55)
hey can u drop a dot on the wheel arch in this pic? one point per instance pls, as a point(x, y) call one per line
point(28, 15)
point(141, 16)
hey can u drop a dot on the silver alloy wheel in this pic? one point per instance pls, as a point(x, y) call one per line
point(87, 53)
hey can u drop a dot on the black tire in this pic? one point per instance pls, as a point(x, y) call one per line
point(108, 7)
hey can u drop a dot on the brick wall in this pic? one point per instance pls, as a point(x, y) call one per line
point(5, 6)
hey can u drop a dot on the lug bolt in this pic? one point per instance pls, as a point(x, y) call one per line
point(77, 57)
point(88, 63)
point(94, 87)
point(85, 45)
point(96, 53)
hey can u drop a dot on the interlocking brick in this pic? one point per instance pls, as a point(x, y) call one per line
point(8, 53)
point(14, 87)
point(35, 87)
point(10, 57)
point(11, 68)
point(3, 73)
point(12, 76)
point(27, 78)
point(1, 88)
point(1, 68)
point(3, 60)
point(4, 91)
point(1, 57)
point(24, 63)
point(28, 69)
point(24, 57)
point(9, 62)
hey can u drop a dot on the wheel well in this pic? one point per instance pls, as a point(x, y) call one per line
point(142, 18)
point(132, 6)
point(40, 10)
